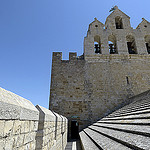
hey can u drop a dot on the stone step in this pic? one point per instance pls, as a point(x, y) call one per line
point(131, 116)
point(138, 129)
point(104, 142)
point(131, 110)
point(127, 121)
point(133, 107)
point(129, 113)
point(86, 142)
point(131, 140)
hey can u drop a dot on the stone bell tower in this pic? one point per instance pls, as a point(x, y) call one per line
point(114, 67)
point(116, 31)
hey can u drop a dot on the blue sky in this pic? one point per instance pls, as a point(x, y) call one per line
point(30, 30)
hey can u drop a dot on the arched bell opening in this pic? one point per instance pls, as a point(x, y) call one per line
point(112, 44)
point(97, 44)
point(131, 44)
point(118, 22)
point(147, 42)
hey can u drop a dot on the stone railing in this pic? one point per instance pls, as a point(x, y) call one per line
point(26, 127)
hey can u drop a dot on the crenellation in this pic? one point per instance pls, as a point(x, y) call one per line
point(57, 56)
point(72, 56)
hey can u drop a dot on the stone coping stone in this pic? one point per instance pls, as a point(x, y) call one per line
point(13, 106)
point(59, 118)
point(64, 118)
point(45, 114)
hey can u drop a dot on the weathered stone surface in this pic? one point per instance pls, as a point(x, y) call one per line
point(45, 114)
point(22, 128)
point(91, 86)
point(145, 129)
point(2, 144)
point(126, 121)
point(133, 139)
point(104, 142)
point(8, 129)
point(2, 123)
point(13, 106)
point(49, 129)
point(87, 143)
point(9, 111)
point(17, 127)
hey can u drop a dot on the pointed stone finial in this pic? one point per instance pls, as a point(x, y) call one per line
point(116, 7)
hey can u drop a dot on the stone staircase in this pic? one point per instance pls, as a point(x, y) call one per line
point(124, 129)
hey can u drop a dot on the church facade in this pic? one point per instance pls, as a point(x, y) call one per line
point(114, 67)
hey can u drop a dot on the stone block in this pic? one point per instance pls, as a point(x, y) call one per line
point(26, 127)
point(29, 137)
point(13, 106)
point(2, 123)
point(20, 140)
point(17, 127)
point(29, 114)
point(9, 111)
point(35, 126)
point(31, 126)
point(2, 144)
point(8, 129)
point(9, 141)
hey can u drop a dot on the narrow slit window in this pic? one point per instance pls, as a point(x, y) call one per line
point(127, 80)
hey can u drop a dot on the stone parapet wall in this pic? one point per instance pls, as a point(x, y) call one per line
point(18, 122)
point(52, 130)
point(26, 127)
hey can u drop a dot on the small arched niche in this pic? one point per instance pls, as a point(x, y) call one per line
point(147, 42)
point(118, 22)
point(97, 44)
point(131, 44)
point(112, 44)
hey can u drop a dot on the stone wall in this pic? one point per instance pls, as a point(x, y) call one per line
point(91, 88)
point(68, 92)
point(52, 130)
point(113, 68)
point(25, 127)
